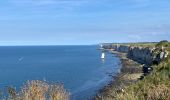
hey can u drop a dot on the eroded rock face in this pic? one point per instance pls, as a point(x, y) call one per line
point(123, 48)
point(147, 55)
point(143, 55)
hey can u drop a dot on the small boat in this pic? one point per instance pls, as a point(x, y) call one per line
point(103, 55)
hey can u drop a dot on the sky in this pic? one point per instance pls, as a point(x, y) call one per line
point(83, 22)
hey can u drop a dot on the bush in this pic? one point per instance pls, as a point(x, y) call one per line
point(164, 43)
point(39, 90)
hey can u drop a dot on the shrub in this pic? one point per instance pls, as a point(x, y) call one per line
point(164, 43)
point(39, 90)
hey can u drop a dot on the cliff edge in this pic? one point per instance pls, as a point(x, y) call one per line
point(155, 85)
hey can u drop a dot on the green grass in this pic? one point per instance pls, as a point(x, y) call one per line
point(141, 44)
point(155, 86)
point(164, 43)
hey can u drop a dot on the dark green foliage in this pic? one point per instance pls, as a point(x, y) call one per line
point(164, 43)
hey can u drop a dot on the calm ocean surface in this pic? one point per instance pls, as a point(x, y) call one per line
point(79, 68)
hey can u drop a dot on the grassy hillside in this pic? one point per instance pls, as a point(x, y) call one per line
point(155, 86)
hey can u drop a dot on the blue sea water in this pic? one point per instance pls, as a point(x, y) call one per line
point(79, 68)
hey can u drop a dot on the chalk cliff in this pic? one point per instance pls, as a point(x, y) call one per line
point(144, 55)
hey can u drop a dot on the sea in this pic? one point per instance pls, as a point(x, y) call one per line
point(80, 68)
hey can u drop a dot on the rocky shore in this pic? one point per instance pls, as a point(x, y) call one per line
point(130, 73)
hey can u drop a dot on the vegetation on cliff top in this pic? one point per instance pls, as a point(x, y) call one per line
point(141, 44)
point(164, 43)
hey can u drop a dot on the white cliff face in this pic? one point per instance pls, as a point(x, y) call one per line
point(123, 48)
point(141, 54)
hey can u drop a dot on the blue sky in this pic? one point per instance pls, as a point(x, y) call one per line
point(76, 22)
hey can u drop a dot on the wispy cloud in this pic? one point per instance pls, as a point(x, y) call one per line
point(49, 2)
point(140, 3)
point(134, 37)
point(58, 5)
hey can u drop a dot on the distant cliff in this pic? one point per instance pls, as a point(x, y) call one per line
point(144, 55)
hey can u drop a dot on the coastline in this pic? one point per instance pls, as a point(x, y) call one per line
point(130, 73)
point(143, 67)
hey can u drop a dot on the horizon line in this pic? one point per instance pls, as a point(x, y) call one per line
point(53, 45)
